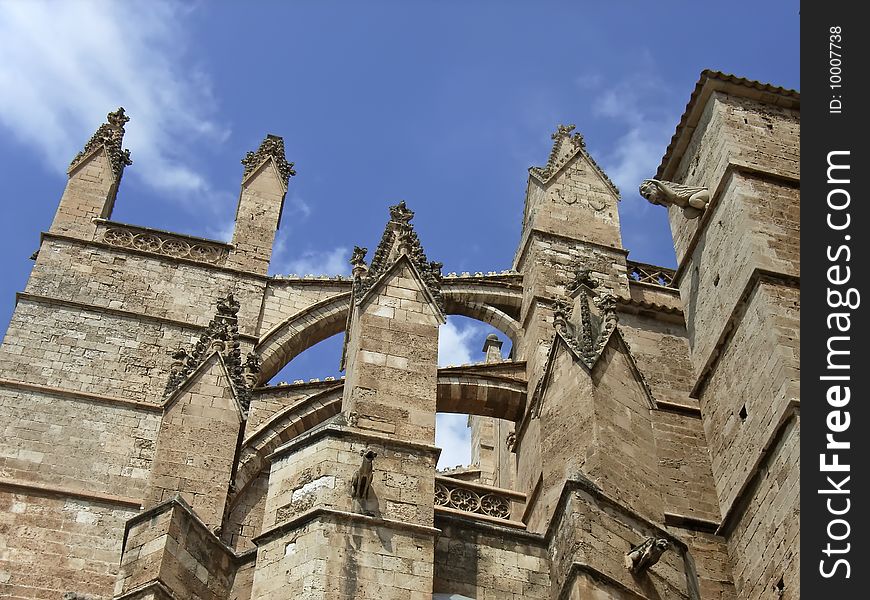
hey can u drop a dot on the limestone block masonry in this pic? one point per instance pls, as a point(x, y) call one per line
point(145, 454)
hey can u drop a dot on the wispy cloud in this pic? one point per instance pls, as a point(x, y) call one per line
point(457, 344)
point(66, 64)
point(641, 104)
point(319, 262)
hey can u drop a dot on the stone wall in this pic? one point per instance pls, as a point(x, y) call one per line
point(54, 543)
point(488, 561)
point(739, 270)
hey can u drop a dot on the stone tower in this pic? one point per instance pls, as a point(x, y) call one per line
point(622, 450)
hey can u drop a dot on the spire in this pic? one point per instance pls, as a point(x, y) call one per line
point(110, 136)
point(271, 147)
point(566, 145)
point(400, 238)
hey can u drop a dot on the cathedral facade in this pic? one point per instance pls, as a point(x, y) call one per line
point(640, 442)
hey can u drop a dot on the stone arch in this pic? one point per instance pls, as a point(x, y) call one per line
point(301, 331)
point(459, 391)
point(280, 429)
point(494, 302)
point(484, 395)
point(506, 297)
point(488, 314)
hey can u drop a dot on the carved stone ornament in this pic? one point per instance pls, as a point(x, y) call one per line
point(272, 146)
point(588, 336)
point(109, 135)
point(454, 495)
point(168, 245)
point(643, 556)
point(222, 335)
point(400, 238)
point(362, 479)
point(693, 200)
point(566, 145)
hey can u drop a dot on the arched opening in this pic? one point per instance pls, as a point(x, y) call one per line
point(460, 341)
point(318, 361)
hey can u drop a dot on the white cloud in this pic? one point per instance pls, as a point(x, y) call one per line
point(453, 436)
point(66, 64)
point(319, 262)
point(641, 104)
point(299, 208)
point(457, 345)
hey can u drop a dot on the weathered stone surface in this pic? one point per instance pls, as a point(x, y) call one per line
point(638, 403)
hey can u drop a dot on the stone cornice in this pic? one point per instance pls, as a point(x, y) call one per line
point(80, 396)
point(41, 489)
point(737, 508)
point(525, 242)
point(588, 487)
point(334, 429)
point(125, 314)
point(340, 515)
point(166, 505)
point(757, 276)
point(465, 521)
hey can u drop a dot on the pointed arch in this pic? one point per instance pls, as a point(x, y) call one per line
point(301, 331)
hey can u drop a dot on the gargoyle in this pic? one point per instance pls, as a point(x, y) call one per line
point(693, 200)
point(643, 556)
point(362, 479)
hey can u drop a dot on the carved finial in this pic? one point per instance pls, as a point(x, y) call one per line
point(565, 131)
point(401, 213)
point(118, 119)
point(400, 238)
point(404, 245)
point(228, 306)
point(109, 135)
point(643, 556)
point(271, 147)
point(693, 200)
point(606, 302)
point(358, 257)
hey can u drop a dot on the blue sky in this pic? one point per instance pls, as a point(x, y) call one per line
point(442, 104)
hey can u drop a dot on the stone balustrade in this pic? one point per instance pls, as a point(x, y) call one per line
point(158, 242)
point(650, 274)
point(478, 499)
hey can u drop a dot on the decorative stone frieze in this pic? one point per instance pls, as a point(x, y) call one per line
point(109, 135)
point(167, 245)
point(467, 500)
